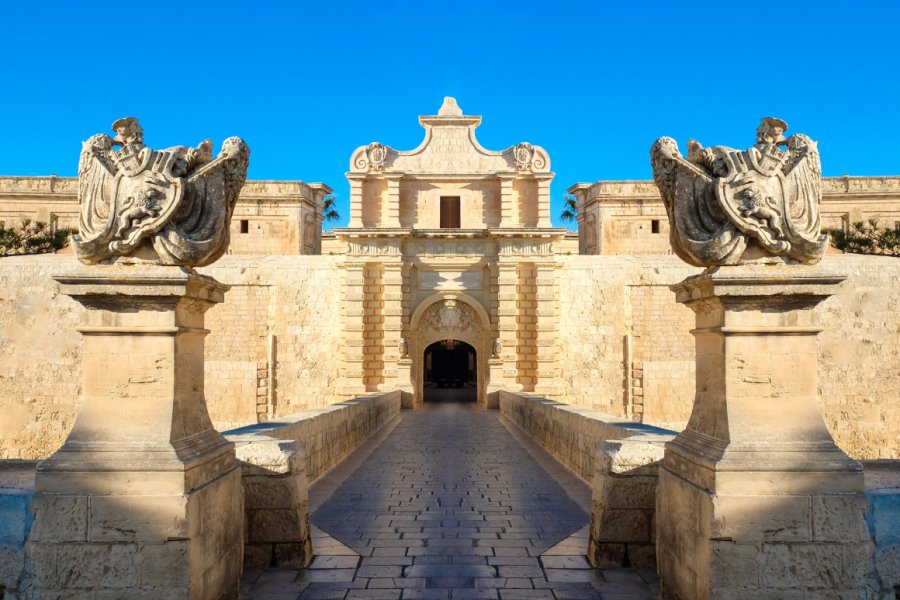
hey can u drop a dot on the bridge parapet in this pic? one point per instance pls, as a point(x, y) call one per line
point(281, 458)
point(619, 458)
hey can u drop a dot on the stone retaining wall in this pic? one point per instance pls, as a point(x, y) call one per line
point(618, 457)
point(279, 460)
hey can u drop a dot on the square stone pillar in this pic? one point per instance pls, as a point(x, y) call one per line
point(144, 498)
point(755, 499)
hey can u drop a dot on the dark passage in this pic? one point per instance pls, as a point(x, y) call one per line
point(450, 365)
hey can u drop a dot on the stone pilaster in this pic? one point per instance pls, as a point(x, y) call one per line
point(509, 205)
point(144, 498)
point(393, 326)
point(353, 312)
point(390, 203)
point(755, 499)
point(356, 202)
point(546, 329)
point(503, 375)
point(543, 200)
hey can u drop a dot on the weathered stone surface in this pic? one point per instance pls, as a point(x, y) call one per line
point(728, 207)
point(169, 207)
point(739, 488)
point(144, 495)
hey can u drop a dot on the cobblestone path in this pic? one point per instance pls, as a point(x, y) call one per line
point(450, 505)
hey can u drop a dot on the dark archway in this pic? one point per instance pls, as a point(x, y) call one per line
point(451, 372)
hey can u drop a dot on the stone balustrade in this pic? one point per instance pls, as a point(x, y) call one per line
point(280, 458)
point(618, 457)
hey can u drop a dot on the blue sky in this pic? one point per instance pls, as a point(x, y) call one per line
point(592, 82)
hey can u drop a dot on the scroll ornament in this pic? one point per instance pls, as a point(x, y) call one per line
point(167, 207)
point(731, 207)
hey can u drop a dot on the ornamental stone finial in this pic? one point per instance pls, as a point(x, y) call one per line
point(731, 207)
point(166, 207)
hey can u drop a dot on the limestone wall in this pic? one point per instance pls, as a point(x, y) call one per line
point(619, 322)
point(624, 348)
point(275, 340)
point(40, 357)
point(270, 351)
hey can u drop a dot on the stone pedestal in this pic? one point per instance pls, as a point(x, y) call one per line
point(143, 500)
point(755, 499)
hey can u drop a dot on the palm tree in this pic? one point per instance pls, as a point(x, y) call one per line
point(570, 211)
point(329, 212)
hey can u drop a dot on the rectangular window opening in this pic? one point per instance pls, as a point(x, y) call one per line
point(654, 226)
point(450, 212)
point(245, 226)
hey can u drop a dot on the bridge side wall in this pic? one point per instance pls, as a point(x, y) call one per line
point(620, 460)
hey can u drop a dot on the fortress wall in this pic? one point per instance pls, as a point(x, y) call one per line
point(292, 298)
point(608, 307)
point(605, 299)
point(40, 357)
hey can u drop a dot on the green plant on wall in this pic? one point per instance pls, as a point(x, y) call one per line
point(33, 237)
point(866, 237)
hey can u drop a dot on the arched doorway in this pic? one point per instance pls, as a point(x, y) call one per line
point(450, 372)
point(449, 316)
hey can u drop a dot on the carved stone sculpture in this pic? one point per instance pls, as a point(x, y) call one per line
point(167, 207)
point(730, 207)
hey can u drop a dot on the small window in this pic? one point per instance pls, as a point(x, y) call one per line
point(654, 226)
point(245, 226)
point(449, 212)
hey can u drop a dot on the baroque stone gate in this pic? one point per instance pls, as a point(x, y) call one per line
point(450, 241)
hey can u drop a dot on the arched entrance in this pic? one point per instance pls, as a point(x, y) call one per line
point(449, 316)
point(450, 372)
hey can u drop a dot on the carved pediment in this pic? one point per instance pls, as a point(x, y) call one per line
point(450, 147)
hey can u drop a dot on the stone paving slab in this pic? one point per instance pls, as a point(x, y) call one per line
point(452, 502)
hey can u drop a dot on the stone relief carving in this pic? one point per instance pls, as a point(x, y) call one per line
point(375, 248)
point(496, 348)
point(729, 207)
point(168, 207)
point(450, 315)
point(527, 158)
point(403, 348)
point(524, 247)
point(371, 158)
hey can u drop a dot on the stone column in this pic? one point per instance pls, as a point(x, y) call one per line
point(143, 500)
point(755, 499)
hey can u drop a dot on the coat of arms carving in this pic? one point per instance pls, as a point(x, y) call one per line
point(729, 207)
point(169, 207)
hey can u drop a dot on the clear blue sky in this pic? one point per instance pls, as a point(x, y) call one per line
point(593, 82)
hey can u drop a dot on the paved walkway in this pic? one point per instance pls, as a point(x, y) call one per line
point(450, 502)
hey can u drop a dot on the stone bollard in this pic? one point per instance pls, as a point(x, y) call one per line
point(144, 498)
point(755, 499)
